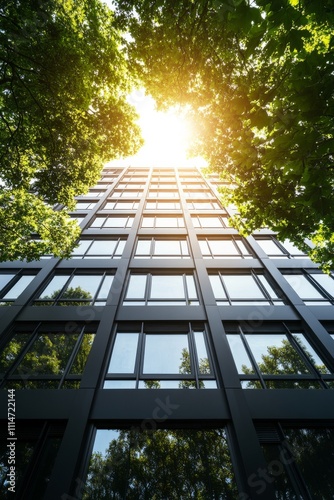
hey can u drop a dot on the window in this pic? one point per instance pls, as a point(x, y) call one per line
point(127, 193)
point(12, 284)
point(154, 357)
point(207, 222)
point(158, 248)
point(224, 248)
point(301, 456)
point(130, 185)
point(112, 222)
point(160, 222)
point(194, 195)
point(76, 289)
point(193, 185)
point(99, 249)
point(82, 205)
point(94, 193)
point(162, 205)
point(277, 357)
point(243, 289)
point(160, 464)
point(163, 193)
point(203, 205)
point(160, 290)
point(163, 186)
point(274, 249)
point(49, 356)
point(35, 443)
point(121, 205)
point(313, 288)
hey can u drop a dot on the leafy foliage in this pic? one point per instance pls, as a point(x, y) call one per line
point(259, 77)
point(163, 464)
point(63, 86)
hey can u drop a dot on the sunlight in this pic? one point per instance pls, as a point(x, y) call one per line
point(167, 135)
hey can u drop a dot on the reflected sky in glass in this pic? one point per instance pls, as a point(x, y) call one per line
point(163, 353)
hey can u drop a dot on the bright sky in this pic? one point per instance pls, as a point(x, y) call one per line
point(167, 135)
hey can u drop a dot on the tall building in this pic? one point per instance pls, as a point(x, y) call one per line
point(169, 357)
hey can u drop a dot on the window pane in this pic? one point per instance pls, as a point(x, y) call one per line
point(169, 222)
point(18, 288)
point(166, 354)
point(313, 451)
point(242, 287)
point(143, 247)
point(217, 287)
point(148, 222)
point(163, 464)
point(268, 287)
point(223, 247)
point(80, 360)
point(240, 355)
point(164, 287)
point(82, 287)
point(204, 247)
point(325, 281)
point(269, 247)
point(136, 287)
point(105, 288)
point(49, 354)
point(202, 354)
point(102, 247)
point(98, 222)
point(302, 286)
point(82, 247)
point(167, 247)
point(310, 352)
point(5, 279)
point(275, 355)
point(292, 248)
point(54, 287)
point(123, 356)
point(12, 349)
point(191, 287)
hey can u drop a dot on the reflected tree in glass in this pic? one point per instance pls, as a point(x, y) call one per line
point(280, 358)
point(313, 451)
point(160, 465)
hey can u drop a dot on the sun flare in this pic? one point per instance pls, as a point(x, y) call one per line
point(167, 135)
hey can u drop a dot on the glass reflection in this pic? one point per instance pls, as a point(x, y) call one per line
point(165, 464)
point(166, 354)
point(313, 453)
point(275, 355)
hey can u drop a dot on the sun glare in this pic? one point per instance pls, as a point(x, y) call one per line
point(167, 135)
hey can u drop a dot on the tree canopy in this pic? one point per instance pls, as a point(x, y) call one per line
point(64, 81)
point(259, 79)
point(173, 464)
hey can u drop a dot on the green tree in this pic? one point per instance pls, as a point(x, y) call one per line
point(48, 354)
point(283, 360)
point(64, 81)
point(173, 464)
point(259, 78)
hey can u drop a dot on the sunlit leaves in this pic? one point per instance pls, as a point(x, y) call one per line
point(260, 79)
point(64, 82)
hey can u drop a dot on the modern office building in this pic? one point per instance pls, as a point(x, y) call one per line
point(169, 357)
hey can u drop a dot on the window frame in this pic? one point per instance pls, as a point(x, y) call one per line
point(151, 254)
point(114, 255)
point(314, 375)
point(143, 330)
point(267, 298)
point(35, 331)
point(147, 300)
point(70, 275)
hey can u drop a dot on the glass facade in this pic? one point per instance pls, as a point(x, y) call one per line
point(213, 393)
